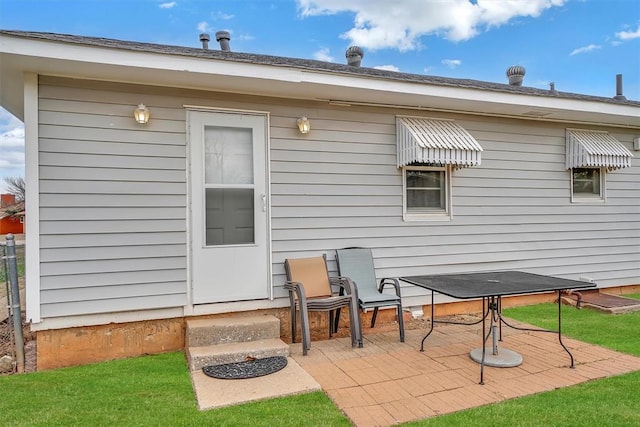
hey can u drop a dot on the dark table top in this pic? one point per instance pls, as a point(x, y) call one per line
point(477, 285)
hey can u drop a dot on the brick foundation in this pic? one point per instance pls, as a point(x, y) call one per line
point(58, 348)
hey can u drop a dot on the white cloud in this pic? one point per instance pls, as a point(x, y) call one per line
point(11, 147)
point(585, 49)
point(380, 24)
point(11, 131)
point(222, 16)
point(452, 63)
point(387, 68)
point(323, 55)
point(204, 27)
point(244, 37)
point(629, 35)
point(167, 5)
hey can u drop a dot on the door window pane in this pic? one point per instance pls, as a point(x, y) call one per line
point(228, 155)
point(229, 216)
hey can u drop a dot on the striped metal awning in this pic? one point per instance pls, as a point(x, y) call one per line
point(588, 148)
point(435, 141)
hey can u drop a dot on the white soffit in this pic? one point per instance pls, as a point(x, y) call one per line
point(435, 141)
point(587, 148)
point(104, 60)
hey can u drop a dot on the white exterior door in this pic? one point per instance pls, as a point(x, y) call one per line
point(229, 206)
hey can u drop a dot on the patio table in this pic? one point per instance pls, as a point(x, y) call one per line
point(491, 287)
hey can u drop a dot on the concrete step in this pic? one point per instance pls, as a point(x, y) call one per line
point(222, 330)
point(200, 356)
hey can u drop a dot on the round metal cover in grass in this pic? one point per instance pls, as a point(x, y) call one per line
point(247, 369)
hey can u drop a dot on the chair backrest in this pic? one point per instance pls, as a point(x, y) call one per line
point(312, 273)
point(357, 264)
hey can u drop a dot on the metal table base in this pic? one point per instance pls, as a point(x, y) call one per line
point(495, 356)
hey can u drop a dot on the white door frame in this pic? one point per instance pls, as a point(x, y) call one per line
point(190, 196)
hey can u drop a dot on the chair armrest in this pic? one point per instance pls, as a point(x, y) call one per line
point(297, 289)
point(390, 281)
point(347, 285)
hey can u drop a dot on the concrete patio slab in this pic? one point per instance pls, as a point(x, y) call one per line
point(216, 393)
point(388, 382)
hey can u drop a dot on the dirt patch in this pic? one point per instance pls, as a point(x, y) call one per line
point(390, 324)
point(7, 346)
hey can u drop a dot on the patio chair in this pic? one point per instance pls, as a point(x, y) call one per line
point(357, 264)
point(309, 287)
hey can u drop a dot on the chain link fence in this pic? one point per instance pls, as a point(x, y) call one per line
point(12, 324)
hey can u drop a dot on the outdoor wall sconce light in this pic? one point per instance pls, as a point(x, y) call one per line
point(141, 114)
point(304, 125)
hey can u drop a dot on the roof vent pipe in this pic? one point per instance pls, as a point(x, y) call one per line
point(223, 38)
point(204, 38)
point(619, 96)
point(515, 74)
point(354, 56)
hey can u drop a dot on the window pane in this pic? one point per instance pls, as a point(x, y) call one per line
point(229, 216)
point(421, 200)
point(425, 179)
point(426, 190)
point(228, 155)
point(586, 182)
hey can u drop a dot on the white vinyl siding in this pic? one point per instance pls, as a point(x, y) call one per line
point(339, 189)
point(513, 212)
point(112, 204)
point(124, 190)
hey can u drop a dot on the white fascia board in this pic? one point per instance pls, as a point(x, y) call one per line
point(150, 68)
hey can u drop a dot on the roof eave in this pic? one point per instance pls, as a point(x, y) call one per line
point(19, 55)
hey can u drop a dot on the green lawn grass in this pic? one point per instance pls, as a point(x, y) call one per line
point(609, 402)
point(145, 391)
point(156, 391)
point(613, 331)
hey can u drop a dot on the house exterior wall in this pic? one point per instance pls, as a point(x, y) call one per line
point(112, 204)
point(7, 200)
point(11, 225)
point(113, 198)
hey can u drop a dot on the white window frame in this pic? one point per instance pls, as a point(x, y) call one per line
point(435, 215)
point(584, 198)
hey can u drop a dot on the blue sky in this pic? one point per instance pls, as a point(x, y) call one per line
point(580, 45)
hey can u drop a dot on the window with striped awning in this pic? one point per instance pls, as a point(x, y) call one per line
point(435, 141)
point(595, 149)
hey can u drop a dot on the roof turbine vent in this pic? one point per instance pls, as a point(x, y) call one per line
point(223, 38)
point(204, 38)
point(515, 74)
point(354, 56)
